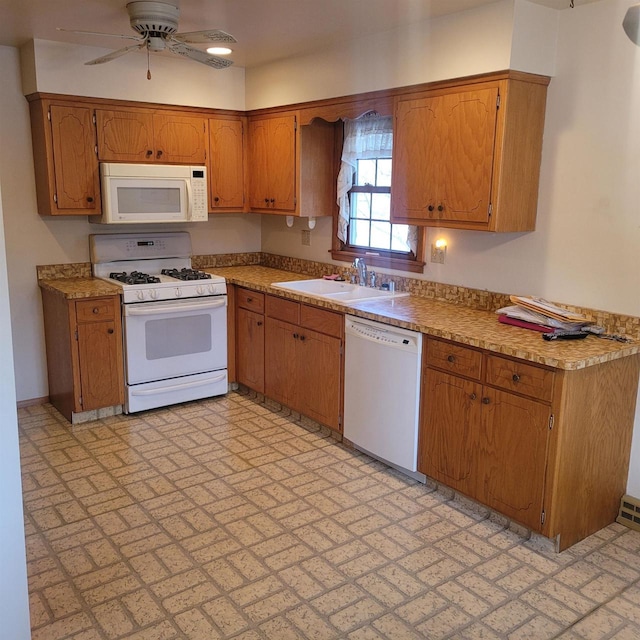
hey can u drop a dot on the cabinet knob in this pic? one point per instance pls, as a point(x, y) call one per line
point(149, 153)
point(440, 207)
point(295, 336)
point(266, 200)
point(303, 338)
point(272, 200)
point(95, 310)
point(109, 331)
point(259, 323)
point(486, 400)
point(216, 199)
point(472, 396)
point(515, 377)
point(451, 359)
point(430, 207)
point(89, 199)
point(249, 299)
point(159, 154)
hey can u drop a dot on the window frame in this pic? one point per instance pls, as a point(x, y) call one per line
point(375, 257)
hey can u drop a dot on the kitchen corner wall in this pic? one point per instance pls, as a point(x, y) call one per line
point(586, 248)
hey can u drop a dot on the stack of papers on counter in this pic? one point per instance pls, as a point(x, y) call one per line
point(540, 315)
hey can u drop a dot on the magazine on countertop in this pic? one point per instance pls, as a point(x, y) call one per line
point(550, 310)
point(527, 315)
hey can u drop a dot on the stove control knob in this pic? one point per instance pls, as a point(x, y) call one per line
point(140, 295)
point(153, 294)
point(212, 288)
point(178, 292)
point(200, 290)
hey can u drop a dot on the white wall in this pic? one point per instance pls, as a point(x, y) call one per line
point(586, 248)
point(14, 599)
point(32, 239)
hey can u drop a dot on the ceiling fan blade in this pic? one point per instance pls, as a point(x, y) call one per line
point(98, 33)
point(116, 54)
point(210, 35)
point(195, 54)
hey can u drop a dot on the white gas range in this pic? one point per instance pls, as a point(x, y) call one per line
point(174, 318)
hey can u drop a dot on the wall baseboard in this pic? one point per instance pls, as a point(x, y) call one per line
point(32, 402)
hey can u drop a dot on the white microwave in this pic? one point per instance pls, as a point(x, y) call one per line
point(148, 193)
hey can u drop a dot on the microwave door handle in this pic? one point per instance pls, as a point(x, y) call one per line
point(189, 200)
point(144, 310)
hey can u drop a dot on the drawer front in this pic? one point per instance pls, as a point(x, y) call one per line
point(328, 322)
point(520, 377)
point(454, 358)
point(281, 309)
point(97, 309)
point(250, 300)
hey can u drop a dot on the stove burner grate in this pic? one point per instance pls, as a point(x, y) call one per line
point(186, 274)
point(135, 277)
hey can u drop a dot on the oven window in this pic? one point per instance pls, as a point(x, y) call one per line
point(148, 199)
point(181, 336)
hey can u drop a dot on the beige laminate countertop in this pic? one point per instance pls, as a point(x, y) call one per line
point(445, 320)
point(441, 319)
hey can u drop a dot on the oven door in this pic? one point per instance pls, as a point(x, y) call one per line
point(174, 338)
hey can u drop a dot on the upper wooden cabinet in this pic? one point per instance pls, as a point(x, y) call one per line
point(226, 163)
point(291, 169)
point(143, 136)
point(468, 155)
point(64, 155)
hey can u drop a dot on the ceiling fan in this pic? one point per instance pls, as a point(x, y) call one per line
point(157, 24)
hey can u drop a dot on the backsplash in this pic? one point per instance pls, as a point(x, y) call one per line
point(473, 298)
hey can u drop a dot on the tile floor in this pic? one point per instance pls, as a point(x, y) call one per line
point(225, 519)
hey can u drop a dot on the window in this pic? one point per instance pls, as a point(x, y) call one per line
point(364, 226)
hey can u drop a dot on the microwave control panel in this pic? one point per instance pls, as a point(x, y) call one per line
point(199, 207)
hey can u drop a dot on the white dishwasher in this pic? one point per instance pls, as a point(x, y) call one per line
point(382, 391)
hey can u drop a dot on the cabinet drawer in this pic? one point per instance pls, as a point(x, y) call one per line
point(97, 309)
point(321, 320)
point(520, 377)
point(281, 309)
point(251, 300)
point(454, 358)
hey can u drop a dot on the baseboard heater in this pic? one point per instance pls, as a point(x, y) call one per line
point(629, 514)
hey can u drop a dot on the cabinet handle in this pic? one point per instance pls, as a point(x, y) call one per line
point(109, 331)
point(472, 396)
point(159, 154)
point(515, 377)
point(440, 207)
point(89, 199)
point(451, 359)
point(95, 310)
point(149, 153)
point(486, 400)
point(430, 207)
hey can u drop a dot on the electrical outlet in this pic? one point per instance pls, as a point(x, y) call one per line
point(437, 254)
point(306, 237)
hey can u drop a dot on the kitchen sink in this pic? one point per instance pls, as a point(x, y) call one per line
point(340, 292)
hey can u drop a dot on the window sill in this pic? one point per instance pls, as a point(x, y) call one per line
point(387, 262)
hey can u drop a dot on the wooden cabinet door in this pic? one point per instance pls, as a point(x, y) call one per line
point(512, 455)
point(282, 163)
point(77, 183)
point(226, 163)
point(417, 139)
point(124, 136)
point(319, 364)
point(250, 349)
point(280, 368)
point(449, 426)
point(100, 359)
point(272, 163)
point(180, 139)
point(465, 154)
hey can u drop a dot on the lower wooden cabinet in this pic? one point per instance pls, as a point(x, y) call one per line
point(250, 339)
point(547, 448)
point(84, 352)
point(303, 359)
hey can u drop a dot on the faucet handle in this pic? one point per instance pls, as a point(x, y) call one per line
point(372, 279)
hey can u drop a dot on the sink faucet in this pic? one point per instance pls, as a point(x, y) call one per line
point(360, 265)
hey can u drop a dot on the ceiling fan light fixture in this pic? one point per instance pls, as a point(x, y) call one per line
point(219, 51)
point(631, 23)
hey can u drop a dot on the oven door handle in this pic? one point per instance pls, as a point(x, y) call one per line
point(143, 308)
point(176, 387)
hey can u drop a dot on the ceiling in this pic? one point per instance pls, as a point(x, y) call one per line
point(266, 30)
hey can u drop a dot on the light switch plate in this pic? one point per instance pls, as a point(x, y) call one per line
point(438, 255)
point(306, 237)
